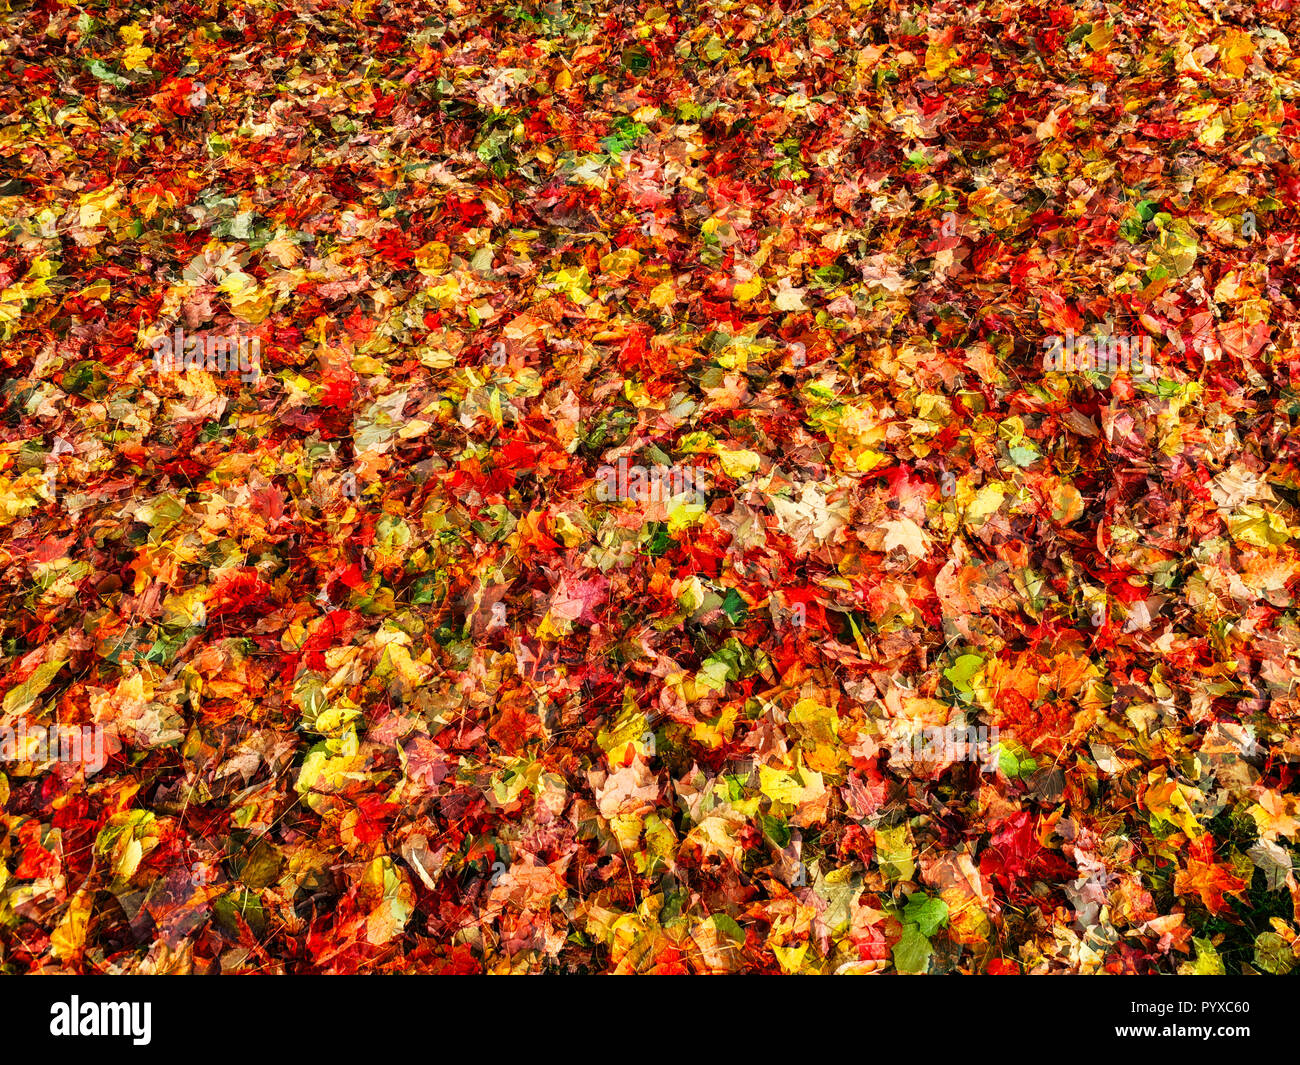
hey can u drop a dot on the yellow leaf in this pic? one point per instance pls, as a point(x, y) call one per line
point(719, 940)
point(432, 258)
point(1235, 48)
point(549, 630)
point(574, 283)
point(923, 711)
point(815, 721)
point(620, 263)
point(1212, 133)
point(68, 938)
point(789, 298)
point(1200, 111)
point(1253, 525)
point(397, 661)
point(986, 503)
point(663, 294)
point(629, 728)
point(1102, 34)
point(713, 734)
point(869, 459)
point(738, 464)
point(185, 610)
point(793, 786)
point(1274, 815)
point(790, 958)
point(938, 59)
point(682, 514)
point(894, 852)
point(1165, 798)
point(127, 857)
point(136, 57)
point(92, 205)
point(569, 533)
point(20, 698)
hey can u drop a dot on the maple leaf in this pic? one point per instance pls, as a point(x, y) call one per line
point(1204, 877)
point(628, 791)
point(905, 533)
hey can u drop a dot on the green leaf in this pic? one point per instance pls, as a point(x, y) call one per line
point(728, 663)
point(1273, 954)
point(239, 905)
point(726, 926)
point(963, 670)
point(106, 74)
point(775, 829)
point(912, 952)
point(86, 378)
point(160, 514)
point(928, 914)
point(636, 59)
point(422, 590)
point(1013, 766)
point(894, 853)
point(1208, 962)
point(660, 540)
point(734, 606)
point(623, 136)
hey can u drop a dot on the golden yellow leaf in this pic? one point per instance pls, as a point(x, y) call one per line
point(68, 938)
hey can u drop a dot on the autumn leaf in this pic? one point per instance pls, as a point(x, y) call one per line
point(1206, 878)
